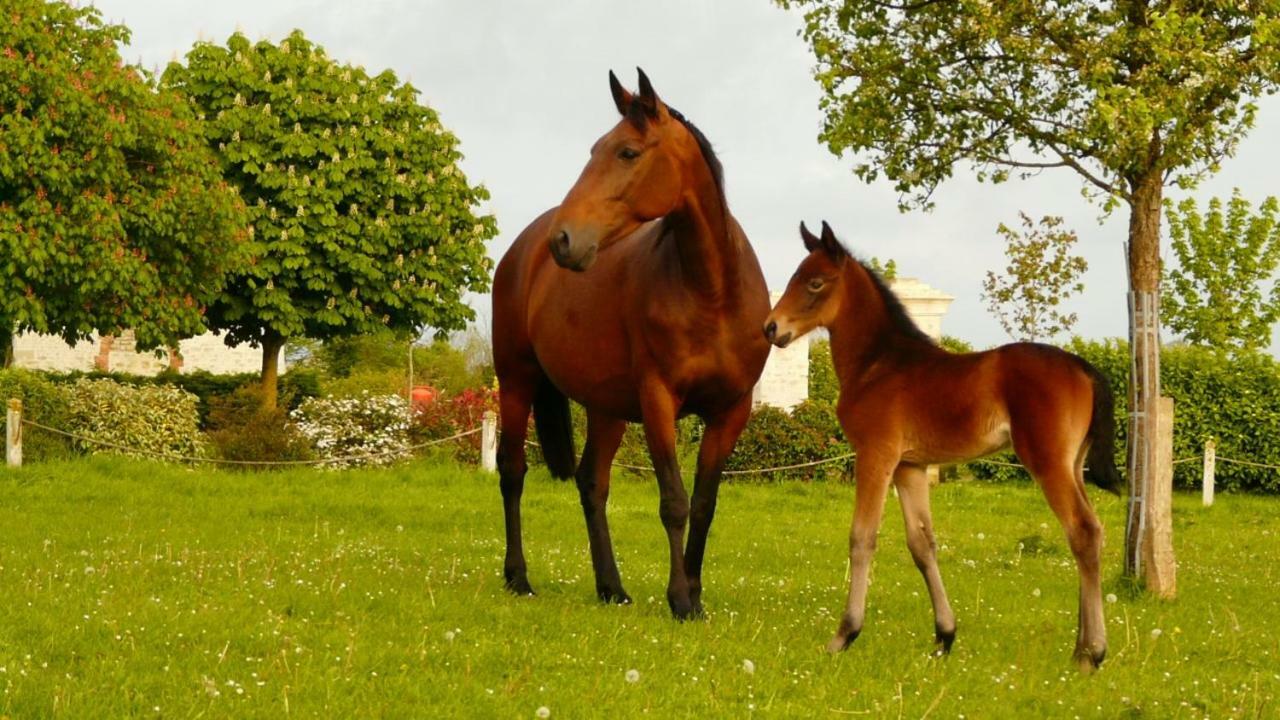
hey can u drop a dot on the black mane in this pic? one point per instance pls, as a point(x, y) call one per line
point(898, 317)
point(708, 154)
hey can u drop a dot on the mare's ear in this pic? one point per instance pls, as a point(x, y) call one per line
point(648, 98)
point(831, 245)
point(621, 98)
point(811, 241)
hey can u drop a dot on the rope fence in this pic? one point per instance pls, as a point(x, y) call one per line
point(488, 429)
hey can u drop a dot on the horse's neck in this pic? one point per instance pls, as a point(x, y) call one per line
point(708, 252)
point(862, 333)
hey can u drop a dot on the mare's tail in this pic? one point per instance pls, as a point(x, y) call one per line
point(554, 425)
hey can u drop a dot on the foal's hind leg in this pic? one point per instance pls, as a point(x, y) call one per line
point(873, 474)
point(515, 399)
point(604, 434)
point(913, 492)
point(717, 442)
point(1063, 486)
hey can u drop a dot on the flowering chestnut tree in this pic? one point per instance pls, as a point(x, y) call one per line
point(362, 220)
point(113, 212)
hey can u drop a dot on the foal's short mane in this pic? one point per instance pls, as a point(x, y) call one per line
point(898, 317)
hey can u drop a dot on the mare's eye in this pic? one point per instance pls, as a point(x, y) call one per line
point(816, 284)
point(627, 153)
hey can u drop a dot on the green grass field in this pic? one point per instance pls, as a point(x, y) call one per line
point(141, 590)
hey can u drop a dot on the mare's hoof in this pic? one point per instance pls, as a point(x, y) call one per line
point(518, 585)
point(613, 596)
point(681, 609)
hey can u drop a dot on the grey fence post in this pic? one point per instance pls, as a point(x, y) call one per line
point(13, 433)
point(489, 442)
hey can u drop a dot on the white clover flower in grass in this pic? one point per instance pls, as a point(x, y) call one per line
point(748, 667)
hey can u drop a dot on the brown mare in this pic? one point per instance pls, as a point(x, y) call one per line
point(906, 403)
point(640, 298)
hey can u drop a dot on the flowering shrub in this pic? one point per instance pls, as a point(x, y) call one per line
point(342, 429)
point(456, 414)
point(148, 420)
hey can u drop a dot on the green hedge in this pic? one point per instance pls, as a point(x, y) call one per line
point(42, 402)
point(147, 419)
point(297, 385)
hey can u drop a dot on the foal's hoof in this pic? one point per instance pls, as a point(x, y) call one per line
point(841, 641)
point(613, 596)
point(1088, 661)
point(943, 640)
point(518, 584)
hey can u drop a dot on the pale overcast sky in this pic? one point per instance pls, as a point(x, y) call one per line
point(524, 86)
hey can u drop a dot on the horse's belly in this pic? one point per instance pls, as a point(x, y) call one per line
point(944, 446)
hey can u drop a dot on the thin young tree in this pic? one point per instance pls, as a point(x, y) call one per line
point(1222, 291)
point(1131, 95)
point(1042, 273)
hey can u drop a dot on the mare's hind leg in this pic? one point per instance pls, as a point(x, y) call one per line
point(873, 473)
point(659, 412)
point(604, 434)
point(515, 399)
point(913, 492)
point(717, 442)
point(1062, 481)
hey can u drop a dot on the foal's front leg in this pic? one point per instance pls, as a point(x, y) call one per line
point(659, 410)
point(873, 473)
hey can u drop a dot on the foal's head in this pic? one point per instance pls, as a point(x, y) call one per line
point(638, 172)
point(813, 296)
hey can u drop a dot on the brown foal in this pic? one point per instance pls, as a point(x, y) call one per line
point(906, 403)
point(640, 298)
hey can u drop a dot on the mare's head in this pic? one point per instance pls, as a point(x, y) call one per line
point(814, 294)
point(638, 171)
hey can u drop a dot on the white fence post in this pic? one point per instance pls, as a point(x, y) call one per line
point(13, 433)
point(489, 442)
point(1210, 458)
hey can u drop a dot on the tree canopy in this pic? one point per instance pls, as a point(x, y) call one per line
point(362, 219)
point(113, 212)
point(1222, 291)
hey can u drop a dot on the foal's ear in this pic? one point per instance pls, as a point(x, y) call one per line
point(648, 98)
point(811, 241)
point(621, 98)
point(831, 244)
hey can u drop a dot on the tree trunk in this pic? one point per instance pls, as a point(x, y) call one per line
point(271, 346)
point(6, 345)
point(1144, 355)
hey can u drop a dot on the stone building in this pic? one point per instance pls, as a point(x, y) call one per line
point(118, 353)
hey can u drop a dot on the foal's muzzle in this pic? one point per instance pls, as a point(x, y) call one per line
point(771, 334)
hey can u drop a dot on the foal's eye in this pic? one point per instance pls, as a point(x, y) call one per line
point(816, 284)
point(627, 153)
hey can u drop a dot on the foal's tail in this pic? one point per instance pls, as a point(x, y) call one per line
point(554, 425)
point(1101, 460)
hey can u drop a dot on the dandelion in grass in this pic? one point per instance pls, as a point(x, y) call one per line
point(543, 712)
point(633, 676)
point(1156, 632)
point(748, 667)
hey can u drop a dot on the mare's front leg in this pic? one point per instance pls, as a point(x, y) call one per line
point(873, 473)
point(718, 440)
point(515, 399)
point(659, 410)
point(604, 434)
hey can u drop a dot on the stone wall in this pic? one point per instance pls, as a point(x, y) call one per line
point(119, 354)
